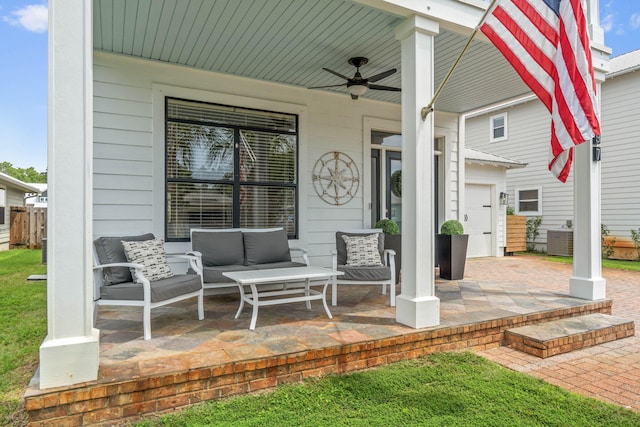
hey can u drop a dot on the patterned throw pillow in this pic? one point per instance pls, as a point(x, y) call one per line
point(362, 250)
point(149, 253)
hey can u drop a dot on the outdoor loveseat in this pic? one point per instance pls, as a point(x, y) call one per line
point(240, 249)
point(133, 271)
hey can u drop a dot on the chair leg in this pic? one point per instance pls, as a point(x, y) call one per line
point(201, 305)
point(95, 313)
point(334, 291)
point(384, 289)
point(392, 289)
point(146, 320)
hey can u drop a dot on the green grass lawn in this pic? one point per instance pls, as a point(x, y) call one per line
point(446, 389)
point(606, 263)
point(23, 326)
point(449, 389)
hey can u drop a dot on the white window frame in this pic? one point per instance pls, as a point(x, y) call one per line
point(517, 203)
point(492, 127)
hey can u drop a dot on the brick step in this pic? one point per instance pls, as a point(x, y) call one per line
point(564, 335)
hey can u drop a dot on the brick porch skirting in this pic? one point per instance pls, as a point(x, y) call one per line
point(114, 403)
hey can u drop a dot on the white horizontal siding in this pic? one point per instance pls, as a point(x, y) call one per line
point(529, 129)
point(122, 152)
point(14, 198)
point(125, 174)
point(621, 154)
point(127, 170)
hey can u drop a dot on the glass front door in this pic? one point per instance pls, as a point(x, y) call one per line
point(393, 177)
point(386, 176)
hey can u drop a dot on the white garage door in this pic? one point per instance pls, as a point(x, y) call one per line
point(477, 220)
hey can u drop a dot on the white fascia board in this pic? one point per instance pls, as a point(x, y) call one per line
point(460, 16)
point(9, 180)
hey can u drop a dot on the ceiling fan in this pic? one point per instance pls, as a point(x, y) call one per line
point(357, 85)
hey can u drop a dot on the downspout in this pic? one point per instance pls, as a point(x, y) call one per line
point(462, 175)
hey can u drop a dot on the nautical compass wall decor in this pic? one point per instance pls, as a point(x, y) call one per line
point(336, 178)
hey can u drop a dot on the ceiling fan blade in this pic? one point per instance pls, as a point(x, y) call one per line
point(323, 87)
point(336, 73)
point(381, 75)
point(380, 87)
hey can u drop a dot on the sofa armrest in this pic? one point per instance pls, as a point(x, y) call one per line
point(118, 264)
point(303, 252)
point(189, 256)
point(390, 261)
point(334, 259)
point(195, 261)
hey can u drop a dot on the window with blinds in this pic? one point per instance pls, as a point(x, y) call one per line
point(229, 167)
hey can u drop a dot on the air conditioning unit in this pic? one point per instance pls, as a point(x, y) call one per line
point(560, 242)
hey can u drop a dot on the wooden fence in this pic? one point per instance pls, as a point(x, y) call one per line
point(28, 227)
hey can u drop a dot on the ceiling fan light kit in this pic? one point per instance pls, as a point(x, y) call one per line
point(357, 85)
point(357, 90)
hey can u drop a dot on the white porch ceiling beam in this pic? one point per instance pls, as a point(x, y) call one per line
point(460, 16)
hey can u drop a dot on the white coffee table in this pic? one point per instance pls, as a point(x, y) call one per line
point(253, 278)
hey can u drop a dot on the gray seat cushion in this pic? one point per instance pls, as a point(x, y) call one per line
point(365, 273)
point(266, 247)
point(283, 264)
point(219, 247)
point(110, 250)
point(161, 290)
point(341, 246)
point(214, 274)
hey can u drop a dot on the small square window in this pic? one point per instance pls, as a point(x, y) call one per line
point(529, 201)
point(498, 127)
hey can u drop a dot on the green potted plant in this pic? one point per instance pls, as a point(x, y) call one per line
point(392, 240)
point(452, 250)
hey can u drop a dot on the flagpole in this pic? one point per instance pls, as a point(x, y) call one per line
point(429, 108)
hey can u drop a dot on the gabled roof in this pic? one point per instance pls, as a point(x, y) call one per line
point(624, 63)
point(479, 157)
point(10, 181)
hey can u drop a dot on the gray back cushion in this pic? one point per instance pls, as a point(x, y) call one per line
point(266, 246)
point(110, 250)
point(218, 247)
point(341, 246)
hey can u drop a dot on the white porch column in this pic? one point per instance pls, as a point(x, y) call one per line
point(69, 353)
point(417, 306)
point(587, 281)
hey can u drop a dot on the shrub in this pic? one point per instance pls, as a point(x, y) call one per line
point(510, 210)
point(533, 231)
point(388, 226)
point(607, 245)
point(635, 236)
point(452, 227)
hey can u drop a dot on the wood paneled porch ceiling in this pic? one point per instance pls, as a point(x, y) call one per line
point(289, 41)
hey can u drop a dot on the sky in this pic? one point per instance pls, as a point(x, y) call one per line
point(23, 71)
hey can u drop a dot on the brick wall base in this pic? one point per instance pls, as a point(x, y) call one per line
point(123, 402)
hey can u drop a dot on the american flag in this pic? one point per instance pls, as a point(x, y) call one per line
point(547, 43)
